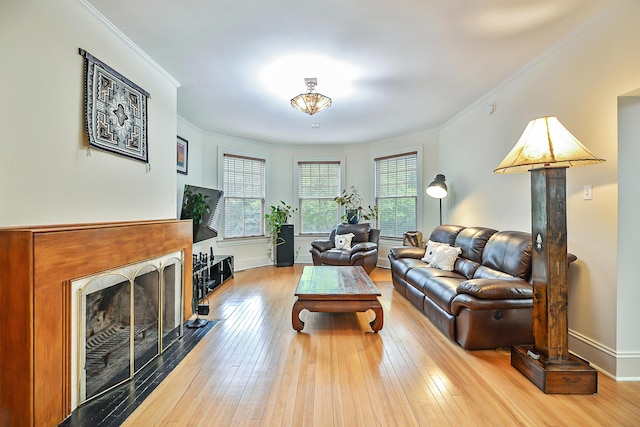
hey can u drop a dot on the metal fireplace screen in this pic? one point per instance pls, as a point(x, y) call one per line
point(126, 319)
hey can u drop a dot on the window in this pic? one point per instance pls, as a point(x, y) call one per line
point(396, 194)
point(244, 188)
point(318, 184)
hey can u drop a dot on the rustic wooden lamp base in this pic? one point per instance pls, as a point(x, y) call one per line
point(573, 377)
point(546, 149)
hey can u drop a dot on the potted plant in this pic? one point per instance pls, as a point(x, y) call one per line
point(195, 207)
point(280, 233)
point(352, 202)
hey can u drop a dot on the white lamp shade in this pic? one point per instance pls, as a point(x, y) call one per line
point(546, 143)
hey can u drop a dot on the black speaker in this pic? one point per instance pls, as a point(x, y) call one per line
point(284, 251)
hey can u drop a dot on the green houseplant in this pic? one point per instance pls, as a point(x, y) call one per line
point(195, 207)
point(274, 221)
point(352, 202)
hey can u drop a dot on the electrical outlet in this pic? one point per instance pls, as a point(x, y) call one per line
point(587, 192)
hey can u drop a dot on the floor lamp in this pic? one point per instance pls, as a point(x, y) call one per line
point(546, 149)
point(438, 190)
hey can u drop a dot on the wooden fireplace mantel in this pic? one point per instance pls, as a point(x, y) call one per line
point(37, 265)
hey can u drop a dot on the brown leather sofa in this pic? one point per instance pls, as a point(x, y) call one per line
point(363, 252)
point(486, 301)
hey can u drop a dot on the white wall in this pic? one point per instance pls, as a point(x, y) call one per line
point(46, 176)
point(579, 81)
point(628, 293)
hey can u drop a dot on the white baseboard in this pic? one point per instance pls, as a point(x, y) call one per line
point(304, 258)
point(621, 366)
point(247, 263)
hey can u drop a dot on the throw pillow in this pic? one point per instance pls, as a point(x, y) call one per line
point(431, 247)
point(343, 241)
point(444, 258)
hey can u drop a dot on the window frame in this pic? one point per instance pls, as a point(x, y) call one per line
point(323, 160)
point(419, 193)
point(221, 168)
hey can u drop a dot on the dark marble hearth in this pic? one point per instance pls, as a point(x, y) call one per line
point(113, 408)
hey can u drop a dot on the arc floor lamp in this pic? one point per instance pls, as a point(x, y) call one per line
point(546, 149)
point(438, 190)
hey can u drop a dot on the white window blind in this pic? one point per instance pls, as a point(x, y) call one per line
point(244, 194)
point(396, 194)
point(318, 184)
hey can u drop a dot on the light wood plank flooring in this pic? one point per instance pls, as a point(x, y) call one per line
point(253, 369)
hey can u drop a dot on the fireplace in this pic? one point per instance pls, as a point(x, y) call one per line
point(125, 318)
point(39, 350)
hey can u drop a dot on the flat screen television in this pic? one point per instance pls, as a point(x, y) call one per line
point(208, 225)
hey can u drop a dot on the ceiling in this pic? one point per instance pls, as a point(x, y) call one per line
point(391, 67)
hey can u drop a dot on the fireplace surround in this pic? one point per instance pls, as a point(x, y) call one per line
point(37, 266)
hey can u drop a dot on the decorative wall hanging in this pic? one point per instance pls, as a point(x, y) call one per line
point(116, 111)
point(183, 155)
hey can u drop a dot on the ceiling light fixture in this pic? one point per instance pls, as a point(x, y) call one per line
point(311, 102)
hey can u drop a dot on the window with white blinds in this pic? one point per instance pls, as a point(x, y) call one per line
point(396, 194)
point(318, 184)
point(244, 194)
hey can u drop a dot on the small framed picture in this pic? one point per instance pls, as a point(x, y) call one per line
point(183, 155)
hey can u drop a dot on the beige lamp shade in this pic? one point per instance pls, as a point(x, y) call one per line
point(546, 143)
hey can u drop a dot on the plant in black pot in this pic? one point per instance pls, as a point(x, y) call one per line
point(353, 209)
point(280, 233)
point(195, 207)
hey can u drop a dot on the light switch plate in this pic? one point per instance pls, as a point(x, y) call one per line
point(588, 192)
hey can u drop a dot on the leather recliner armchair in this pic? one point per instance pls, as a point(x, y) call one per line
point(363, 252)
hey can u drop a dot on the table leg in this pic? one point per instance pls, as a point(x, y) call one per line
point(378, 322)
point(295, 316)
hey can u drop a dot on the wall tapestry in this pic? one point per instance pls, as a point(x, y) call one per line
point(116, 111)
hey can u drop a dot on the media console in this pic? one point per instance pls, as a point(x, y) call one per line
point(209, 272)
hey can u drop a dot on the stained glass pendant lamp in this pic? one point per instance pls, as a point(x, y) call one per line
point(311, 102)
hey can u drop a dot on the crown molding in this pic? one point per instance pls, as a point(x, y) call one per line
point(129, 42)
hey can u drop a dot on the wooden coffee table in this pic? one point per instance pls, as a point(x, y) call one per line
point(333, 289)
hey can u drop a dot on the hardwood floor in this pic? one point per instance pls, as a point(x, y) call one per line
point(253, 369)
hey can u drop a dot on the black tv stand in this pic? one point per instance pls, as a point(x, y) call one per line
point(220, 270)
